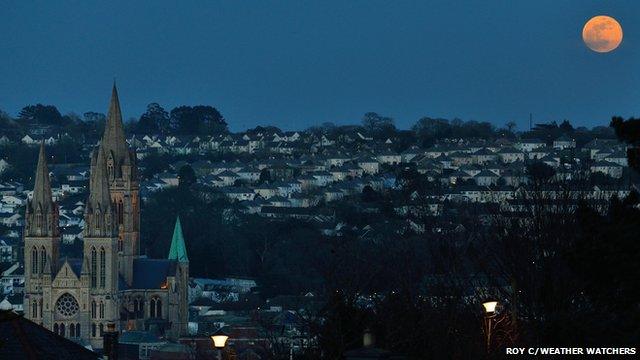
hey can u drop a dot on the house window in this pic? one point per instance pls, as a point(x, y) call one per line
point(102, 267)
point(34, 260)
point(94, 267)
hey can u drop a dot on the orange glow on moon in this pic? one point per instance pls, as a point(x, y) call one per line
point(602, 34)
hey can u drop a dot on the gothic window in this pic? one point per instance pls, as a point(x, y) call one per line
point(101, 327)
point(34, 309)
point(78, 329)
point(34, 260)
point(93, 330)
point(62, 330)
point(55, 328)
point(120, 243)
point(120, 212)
point(93, 309)
point(43, 259)
point(67, 306)
point(94, 266)
point(102, 267)
point(72, 330)
point(101, 310)
point(40, 307)
point(155, 308)
point(152, 308)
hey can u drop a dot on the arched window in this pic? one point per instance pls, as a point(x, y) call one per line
point(55, 328)
point(34, 260)
point(43, 259)
point(94, 266)
point(101, 327)
point(78, 329)
point(120, 212)
point(93, 310)
point(103, 262)
point(120, 243)
point(152, 308)
point(101, 310)
point(40, 307)
point(34, 309)
point(93, 330)
point(62, 332)
point(72, 330)
point(155, 308)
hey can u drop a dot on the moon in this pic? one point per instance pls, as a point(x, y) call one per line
point(602, 33)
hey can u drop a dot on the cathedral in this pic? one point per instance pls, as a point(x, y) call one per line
point(112, 283)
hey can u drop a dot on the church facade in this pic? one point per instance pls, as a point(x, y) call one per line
point(112, 282)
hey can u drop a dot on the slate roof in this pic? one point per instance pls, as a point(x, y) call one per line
point(151, 273)
point(24, 339)
point(137, 337)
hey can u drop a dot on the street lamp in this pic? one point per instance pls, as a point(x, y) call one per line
point(490, 307)
point(489, 314)
point(219, 339)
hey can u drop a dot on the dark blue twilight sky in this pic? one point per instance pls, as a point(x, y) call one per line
point(299, 63)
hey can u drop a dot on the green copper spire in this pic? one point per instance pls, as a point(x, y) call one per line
point(178, 250)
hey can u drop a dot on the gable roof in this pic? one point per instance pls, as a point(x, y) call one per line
point(22, 338)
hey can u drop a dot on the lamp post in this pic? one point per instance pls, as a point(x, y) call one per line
point(489, 314)
point(219, 339)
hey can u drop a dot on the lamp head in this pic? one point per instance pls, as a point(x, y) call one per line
point(490, 307)
point(219, 338)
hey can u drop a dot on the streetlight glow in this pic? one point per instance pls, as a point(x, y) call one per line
point(219, 339)
point(490, 306)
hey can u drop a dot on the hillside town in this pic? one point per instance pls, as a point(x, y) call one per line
point(297, 175)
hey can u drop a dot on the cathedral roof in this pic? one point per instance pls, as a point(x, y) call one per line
point(178, 250)
point(152, 273)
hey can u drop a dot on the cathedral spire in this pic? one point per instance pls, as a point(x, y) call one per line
point(42, 188)
point(98, 210)
point(178, 249)
point(41, 211)
point(113, 140)
point(99, 197)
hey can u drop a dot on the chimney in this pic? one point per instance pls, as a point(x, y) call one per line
point(368, 338)
point(110, 342)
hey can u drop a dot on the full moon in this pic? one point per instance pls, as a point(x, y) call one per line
point(602, 34)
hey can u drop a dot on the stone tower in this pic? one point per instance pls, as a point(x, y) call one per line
point(41, 241)
point(100, 259)
point(178, 253)
point(123, 187)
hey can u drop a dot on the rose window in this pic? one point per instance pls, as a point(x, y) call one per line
point(67, 305)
